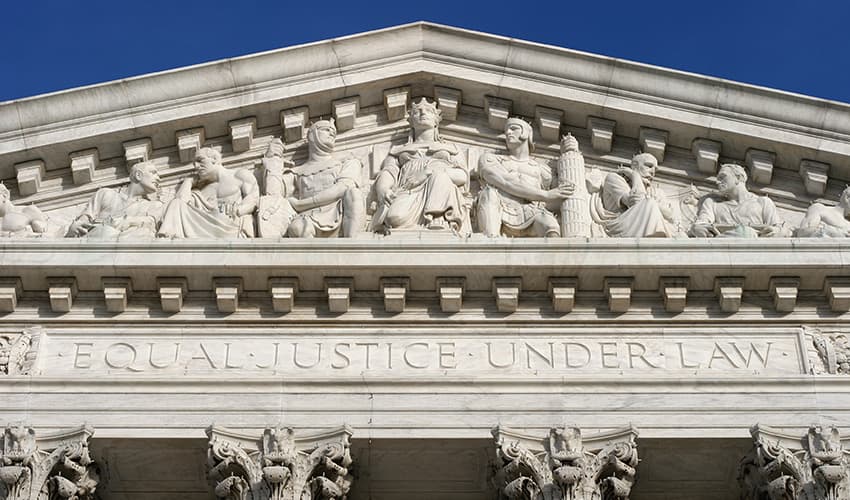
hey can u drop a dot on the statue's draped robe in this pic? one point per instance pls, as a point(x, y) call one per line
point(201, 217)
point(422, 186)
point(108, 208)
point(327, 219)
point(738, 219)
point(641, 220)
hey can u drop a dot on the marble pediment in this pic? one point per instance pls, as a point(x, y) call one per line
point(57, 150)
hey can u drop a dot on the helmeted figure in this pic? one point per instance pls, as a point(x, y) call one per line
point(321, 198)
point(420, 182)
point(517, 188)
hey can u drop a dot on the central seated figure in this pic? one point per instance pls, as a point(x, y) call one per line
point(420, 182)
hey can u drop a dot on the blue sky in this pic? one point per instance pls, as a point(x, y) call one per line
point(791, 45)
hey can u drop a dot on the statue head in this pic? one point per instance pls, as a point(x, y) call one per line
point(517, 132)
point(645, 164)
point(145, 175)
point(207, 163)
point(843, 200)
point(424, 115)
point(321, 137)
point(729, 177)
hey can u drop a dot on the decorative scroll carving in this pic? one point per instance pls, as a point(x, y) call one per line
point(130, 213)
point(19, 221)
point(735, 212)
point(784, 467)
point(280, 466)
point(516, 189)
point(563, 466)
point(49, 467)
point(829, 352)
point(629, 204)
point(827, 221)
point(19, 352)
point(420, 182)
point(322, 197)
point(218, 203)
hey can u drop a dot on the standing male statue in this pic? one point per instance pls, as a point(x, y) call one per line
point(420, 182)
point(516, 189)
point(19, 221)
point(217, 203)
point(133, 212)
point(321, 198)
point(734, 212)
point(629, 204)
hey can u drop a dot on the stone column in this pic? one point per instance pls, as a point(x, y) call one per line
point(575, 210)
point(54, 466)
point(278, 465)
point(562, 466)
point(782, 466)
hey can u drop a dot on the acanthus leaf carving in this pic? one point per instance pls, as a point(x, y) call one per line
point(785, 467)
point(19, 351)
point(50, 467)
point(279, 465)
point(562, 466)
point(829, 352)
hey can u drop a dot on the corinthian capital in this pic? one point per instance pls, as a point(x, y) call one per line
point(782, 466)
point(279, 465)
point(54, 465)
point(563, 466)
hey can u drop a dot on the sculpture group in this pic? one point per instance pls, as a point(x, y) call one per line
point(425, 184)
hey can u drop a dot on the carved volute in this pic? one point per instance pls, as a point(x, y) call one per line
point(279, 465)
point(55, 466)
point(785, 467)
point(562, 466)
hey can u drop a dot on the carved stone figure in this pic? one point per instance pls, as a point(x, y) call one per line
point(49, 467)
point(735, 212)
point(281, 466)
point(782, 466)
point(19, 351)
point(217, 203)
point(629, 204)
point(827, 221)
point(516, 189)
point(19, 221)
point(322, 197)
point(563, 466)
point(419, 184)
point(830, 352)
point(133, 212)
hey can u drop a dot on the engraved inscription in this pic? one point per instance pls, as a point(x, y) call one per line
point(294, 356)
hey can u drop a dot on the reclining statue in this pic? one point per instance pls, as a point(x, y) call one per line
point(827, 221)
point(19, 221)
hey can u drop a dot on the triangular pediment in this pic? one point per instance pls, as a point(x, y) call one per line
point(797, 144)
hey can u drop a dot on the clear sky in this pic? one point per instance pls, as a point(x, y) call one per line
point(799, 46)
